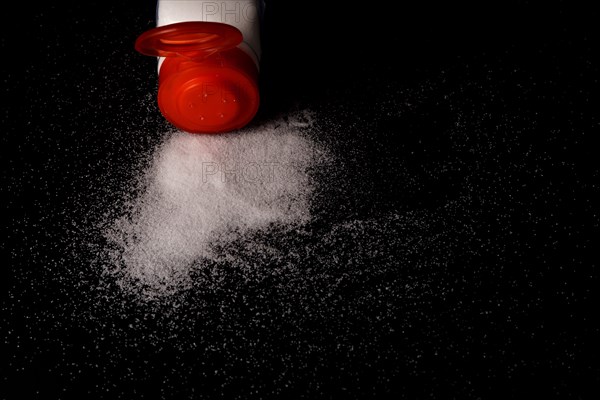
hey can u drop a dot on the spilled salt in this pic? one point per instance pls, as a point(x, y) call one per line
point(201, 188)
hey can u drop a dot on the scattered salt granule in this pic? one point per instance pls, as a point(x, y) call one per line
point(201, 188)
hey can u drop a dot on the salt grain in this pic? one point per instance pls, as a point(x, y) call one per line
point(201, 188)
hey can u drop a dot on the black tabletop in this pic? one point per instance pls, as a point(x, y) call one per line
point(451, 250)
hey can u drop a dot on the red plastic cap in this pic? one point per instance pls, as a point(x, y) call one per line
point(206, 84)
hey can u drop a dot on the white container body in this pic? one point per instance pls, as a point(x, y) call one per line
point(243, 14)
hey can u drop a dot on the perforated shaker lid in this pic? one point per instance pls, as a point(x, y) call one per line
point(207, 84)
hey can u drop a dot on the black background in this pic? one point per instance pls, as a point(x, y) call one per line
point(78, 103)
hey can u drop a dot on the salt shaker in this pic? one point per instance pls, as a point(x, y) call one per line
point(208, 62)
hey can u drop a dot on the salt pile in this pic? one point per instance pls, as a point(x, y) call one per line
point(200, 189)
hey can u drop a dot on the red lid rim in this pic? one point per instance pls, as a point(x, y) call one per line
point(193, 39)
